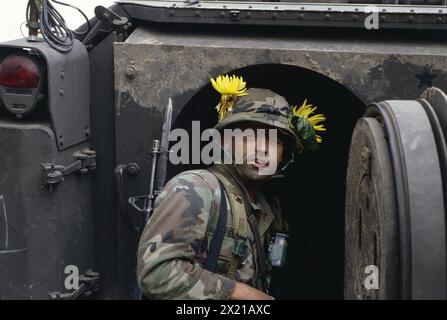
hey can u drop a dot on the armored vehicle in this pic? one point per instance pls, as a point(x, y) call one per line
point(77, 124)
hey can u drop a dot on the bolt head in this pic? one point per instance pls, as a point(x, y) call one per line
point(55, 174)
point(133, 169)
point(131, 71)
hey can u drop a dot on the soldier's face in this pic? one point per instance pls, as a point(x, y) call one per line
point(260, 155)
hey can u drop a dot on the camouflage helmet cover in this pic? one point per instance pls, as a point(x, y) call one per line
point(239, 104)
point(265, 107)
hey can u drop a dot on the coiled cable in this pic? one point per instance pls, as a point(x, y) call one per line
point(53, 27)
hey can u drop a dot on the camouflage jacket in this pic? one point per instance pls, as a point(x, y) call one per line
point(176, 239)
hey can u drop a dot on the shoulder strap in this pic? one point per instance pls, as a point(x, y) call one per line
point(239, 223)
point(237, 205)
point(279, 224)
point(218, 235)
point(219, 227)
point(242, 210)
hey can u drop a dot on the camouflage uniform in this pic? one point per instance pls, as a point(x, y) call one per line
point(176, 239)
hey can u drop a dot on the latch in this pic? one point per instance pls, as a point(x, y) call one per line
point(88, 284)
point(235, 15)
point(85, 161)
point(191, 2)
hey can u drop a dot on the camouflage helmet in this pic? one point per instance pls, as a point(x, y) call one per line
point(261, 106)
point(268, 108)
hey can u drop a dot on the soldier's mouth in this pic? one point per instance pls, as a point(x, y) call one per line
point(260, 164)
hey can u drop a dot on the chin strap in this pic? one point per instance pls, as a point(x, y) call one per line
point(287, 164)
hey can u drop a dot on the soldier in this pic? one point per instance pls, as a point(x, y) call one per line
point(212, 233)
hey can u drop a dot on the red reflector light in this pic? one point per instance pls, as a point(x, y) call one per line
point(19, 72)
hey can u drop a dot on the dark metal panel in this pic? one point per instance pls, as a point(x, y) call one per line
point(103, 142)
point(40, 232)
point(179, 62)
point(68, 90)
point(287, 14)
point(134, 129)
point(26, 208)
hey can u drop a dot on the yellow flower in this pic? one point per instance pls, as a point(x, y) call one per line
point(319, 140)
point(305, 111)
point(230, 87)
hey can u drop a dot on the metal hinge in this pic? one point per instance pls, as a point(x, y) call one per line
point(85, 161)
point(112, 19)
point(88, 284)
